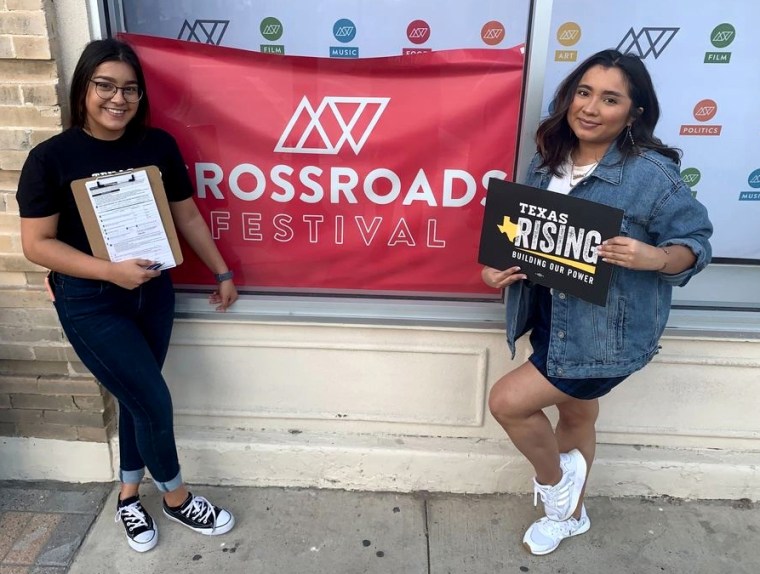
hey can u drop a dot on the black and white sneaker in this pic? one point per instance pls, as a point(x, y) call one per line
point(200, 515)
point(142, 533)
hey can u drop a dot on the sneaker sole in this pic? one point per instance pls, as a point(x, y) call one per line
point(206, 531)
point(144, 546)
point(582, 467)
point(582, 530)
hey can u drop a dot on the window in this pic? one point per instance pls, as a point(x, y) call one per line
point(405, 235)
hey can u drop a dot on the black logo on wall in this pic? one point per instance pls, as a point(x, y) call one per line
point(647, 41)
point(204, 31)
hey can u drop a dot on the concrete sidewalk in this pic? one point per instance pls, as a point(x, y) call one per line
point(42, 525)
point(289, 531)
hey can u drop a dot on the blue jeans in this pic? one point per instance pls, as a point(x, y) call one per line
point(122, 337)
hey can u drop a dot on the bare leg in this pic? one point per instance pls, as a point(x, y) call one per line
point(173, 498)
point(575, 429)
point(176, 496)
point(516, 402)
point(128, 490)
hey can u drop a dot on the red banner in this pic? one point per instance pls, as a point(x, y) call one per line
point(339, 175)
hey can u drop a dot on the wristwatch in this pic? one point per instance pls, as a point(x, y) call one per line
point(223, 276)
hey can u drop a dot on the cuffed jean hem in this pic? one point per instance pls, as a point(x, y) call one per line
point(169, 485)
point(131, 476)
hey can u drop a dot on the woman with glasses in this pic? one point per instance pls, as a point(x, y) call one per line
point(119, 316)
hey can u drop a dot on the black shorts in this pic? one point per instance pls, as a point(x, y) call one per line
point(591, 388)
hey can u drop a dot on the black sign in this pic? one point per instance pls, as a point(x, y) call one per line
point(551, 236)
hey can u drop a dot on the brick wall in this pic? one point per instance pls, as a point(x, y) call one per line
point(45, 391)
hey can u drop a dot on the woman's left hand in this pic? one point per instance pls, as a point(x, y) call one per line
point(224, 296)
point(632, 254)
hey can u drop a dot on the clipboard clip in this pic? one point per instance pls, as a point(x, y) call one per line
point(115, 179)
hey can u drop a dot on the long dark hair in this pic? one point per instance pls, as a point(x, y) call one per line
point(555, 139)
point(94, 54)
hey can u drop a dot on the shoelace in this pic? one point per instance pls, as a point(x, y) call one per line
point(200, 510)
point(549, 494)
point(559, 529)
point(133, 516)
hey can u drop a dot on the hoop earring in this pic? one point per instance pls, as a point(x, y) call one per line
point(629, 135)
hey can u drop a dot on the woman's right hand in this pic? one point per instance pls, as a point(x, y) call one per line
point(501, 279)
point(131, 273)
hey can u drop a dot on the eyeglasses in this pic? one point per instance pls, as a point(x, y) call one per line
point(107, 90)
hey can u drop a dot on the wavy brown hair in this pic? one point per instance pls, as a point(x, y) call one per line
point(554, 138)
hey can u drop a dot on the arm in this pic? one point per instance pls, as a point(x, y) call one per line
point(193, 228)
point(680, 231)
point(634, 254)
point(40, 246)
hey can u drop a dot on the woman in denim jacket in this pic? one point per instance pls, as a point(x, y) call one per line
point(598, 144)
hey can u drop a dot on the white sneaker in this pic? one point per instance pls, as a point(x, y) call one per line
point(544, 535)
point(198, 514)
point(142, 533)
point(561, 500)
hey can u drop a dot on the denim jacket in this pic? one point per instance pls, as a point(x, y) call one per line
point(592, 341)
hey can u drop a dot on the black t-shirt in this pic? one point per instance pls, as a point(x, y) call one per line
point(44, 187)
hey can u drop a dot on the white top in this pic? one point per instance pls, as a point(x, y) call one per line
point(572, 175)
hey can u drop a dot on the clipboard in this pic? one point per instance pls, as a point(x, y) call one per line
point(90, 218)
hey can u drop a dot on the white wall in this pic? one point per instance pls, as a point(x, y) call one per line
point(405, 408)
point(72, 24)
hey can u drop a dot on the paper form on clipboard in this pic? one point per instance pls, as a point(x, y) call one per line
point(127, 216)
